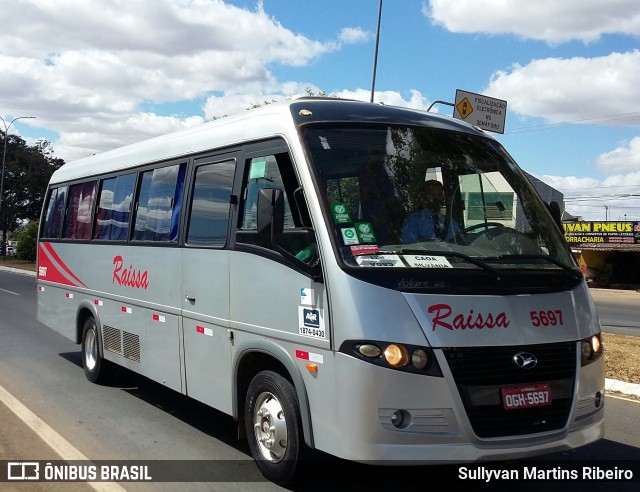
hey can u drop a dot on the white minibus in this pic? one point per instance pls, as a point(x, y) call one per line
point(378, 283)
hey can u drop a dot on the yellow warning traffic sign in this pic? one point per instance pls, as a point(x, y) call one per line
point(464, 108)
point(484, 112)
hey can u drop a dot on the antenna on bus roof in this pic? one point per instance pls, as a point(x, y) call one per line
point(375, 57)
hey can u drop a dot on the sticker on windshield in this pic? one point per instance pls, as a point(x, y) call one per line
point(365, 232)
point(258, 168)
point(340, 213)
point(427, 261)
point(365, 249)
point(349, 236)
point(379, 261)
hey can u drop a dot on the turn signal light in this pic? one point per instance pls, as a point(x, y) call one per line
point(396, 355)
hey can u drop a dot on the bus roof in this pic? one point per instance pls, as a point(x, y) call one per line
point(271, 120)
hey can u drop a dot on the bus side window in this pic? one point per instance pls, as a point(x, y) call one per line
point(263, 173)
point(275, 171)
point(159, 200)
point(209, 215)
point(77, 221)
point(55, 213)
point(114, 208)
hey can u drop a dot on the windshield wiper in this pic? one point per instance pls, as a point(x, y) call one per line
point(480, 264)
point(573, 271)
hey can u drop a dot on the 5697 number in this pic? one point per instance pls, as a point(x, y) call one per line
point(546, 318)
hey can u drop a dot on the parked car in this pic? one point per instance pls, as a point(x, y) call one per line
point(11, 251)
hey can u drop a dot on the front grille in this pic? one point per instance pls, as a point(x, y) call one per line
point(479, 373)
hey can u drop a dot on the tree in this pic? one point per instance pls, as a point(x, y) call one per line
point(28, 241)
point(26, 174)
point(308, 90)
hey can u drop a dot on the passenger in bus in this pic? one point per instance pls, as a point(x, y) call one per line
point(430, 224)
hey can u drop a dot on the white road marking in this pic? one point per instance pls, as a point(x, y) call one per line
point(55, 441)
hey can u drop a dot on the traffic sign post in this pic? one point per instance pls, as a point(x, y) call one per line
point(484, 112)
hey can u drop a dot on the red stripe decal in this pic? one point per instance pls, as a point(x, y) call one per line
point(200, 329)
point(50, 254)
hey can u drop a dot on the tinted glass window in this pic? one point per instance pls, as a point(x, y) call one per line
point(114, 208)
point(210, 206)
point(77, 220)
point(158, 208)
point(264, 172)
point(55, 213)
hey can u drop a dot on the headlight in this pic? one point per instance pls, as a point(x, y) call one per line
point(591, 349)
point(369, 350)
point(393, 355)
point(419, 358)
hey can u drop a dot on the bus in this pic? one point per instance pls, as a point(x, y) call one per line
point(276, 266)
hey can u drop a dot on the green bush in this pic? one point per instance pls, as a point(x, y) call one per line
point(26, 249)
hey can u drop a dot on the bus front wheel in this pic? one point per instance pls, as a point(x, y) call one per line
point(273, 425)
point(96, 369)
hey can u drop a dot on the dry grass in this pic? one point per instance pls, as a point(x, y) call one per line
point(622, 357)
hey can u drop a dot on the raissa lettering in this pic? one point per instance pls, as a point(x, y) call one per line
point(444, 317)
point(129, 277)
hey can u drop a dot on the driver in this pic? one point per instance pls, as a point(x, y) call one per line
point(429, 224)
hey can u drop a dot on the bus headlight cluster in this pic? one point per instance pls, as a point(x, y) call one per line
point(394, 355)
point(591, 349)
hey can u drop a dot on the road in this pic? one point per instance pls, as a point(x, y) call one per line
point(137, 419)
point(618, 310)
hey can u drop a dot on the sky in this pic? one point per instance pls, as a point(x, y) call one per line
point(101, 74)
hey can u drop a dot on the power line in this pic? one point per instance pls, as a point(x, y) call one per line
point(596, 120)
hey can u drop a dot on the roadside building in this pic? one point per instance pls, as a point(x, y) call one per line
point(607, 251)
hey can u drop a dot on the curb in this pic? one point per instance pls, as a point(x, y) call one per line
point(616, 386)
point(612, 385)
point(19, 271)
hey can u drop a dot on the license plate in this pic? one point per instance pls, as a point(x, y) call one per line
point(526, 396)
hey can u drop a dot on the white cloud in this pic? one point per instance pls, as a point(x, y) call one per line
point(625, 159)
point(231, 103)
point(599, 90)
point(582, 91)
point(593, 199)
point(88, 68)
point(551, 21)
point(569, 182)
point(352, 35)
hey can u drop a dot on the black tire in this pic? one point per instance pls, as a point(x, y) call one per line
point(274, 429)
point(96, 369)
point(603, 280)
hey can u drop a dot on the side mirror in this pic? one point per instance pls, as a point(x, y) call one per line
point(556, 213)
point(270, 210)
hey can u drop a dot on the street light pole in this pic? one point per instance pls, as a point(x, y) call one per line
point(4, 156)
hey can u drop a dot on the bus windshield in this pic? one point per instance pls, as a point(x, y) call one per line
point(417, 197)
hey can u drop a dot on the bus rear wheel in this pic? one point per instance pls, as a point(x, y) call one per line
point(273, 425)
point(96, 369)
